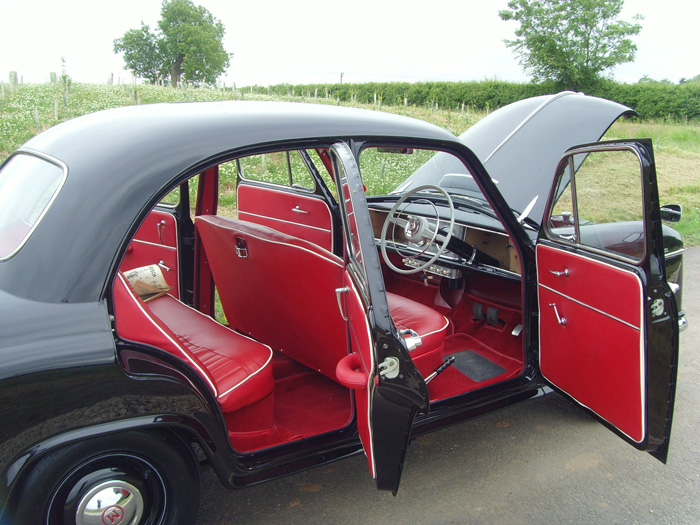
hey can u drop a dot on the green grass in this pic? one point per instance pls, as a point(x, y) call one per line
point(27, 109)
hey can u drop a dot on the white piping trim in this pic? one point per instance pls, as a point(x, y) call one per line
point(589, 307)
point(247, 378)
point(370, 378)
point(642, 338)
point(435, 331)
point(238, 334)
point(282, 220)
point(331, 259)
point(177, 345)
point(309, 197)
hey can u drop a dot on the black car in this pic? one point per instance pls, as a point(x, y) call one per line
point(267, 287)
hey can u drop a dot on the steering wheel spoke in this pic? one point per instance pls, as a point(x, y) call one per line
point(418, 230)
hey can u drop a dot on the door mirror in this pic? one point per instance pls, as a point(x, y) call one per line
point(671, 212)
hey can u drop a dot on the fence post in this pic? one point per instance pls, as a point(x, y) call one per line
point(13, 77)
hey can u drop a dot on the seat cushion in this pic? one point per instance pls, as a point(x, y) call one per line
point(429, 324)
point(239, 366)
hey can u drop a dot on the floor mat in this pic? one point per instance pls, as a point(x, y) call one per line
point(474, 366)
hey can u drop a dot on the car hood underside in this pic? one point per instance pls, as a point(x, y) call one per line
point(521, 144)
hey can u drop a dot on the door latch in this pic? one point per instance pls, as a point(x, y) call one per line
point(389, 368)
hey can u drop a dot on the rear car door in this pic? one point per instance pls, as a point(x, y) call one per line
point(158, 241)
point(388, 389)
point(608, 324)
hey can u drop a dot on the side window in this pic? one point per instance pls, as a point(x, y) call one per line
point(285, 168)
point(599, 203)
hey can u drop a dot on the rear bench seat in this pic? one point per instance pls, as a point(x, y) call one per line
point(237, 368)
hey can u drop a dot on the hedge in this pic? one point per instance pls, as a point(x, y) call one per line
point(651, 99)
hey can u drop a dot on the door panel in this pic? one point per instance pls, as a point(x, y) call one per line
point(302, 216)
point(362, 360)
point(608, 320)
point(395, 390)
point(591, 338)
point(156, 243)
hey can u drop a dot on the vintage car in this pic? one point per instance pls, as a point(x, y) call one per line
point(267, 287)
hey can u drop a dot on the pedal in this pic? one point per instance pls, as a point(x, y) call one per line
point(478, 312)
point(492, 317)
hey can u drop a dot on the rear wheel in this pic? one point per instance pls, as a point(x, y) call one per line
point(132, 478)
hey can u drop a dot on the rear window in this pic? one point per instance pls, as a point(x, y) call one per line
point(28, 186)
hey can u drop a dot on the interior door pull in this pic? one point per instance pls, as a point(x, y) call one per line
point(565, 273)
point(339, 291)
point(160, 225)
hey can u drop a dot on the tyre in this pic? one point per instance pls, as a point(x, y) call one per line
point(132, 478)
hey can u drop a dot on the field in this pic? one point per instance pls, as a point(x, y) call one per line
point(28, 109)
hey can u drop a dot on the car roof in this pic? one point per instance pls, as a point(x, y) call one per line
point(121, 161)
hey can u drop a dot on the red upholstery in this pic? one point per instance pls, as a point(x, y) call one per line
point(238, 369)
point(430, 325)
point(300, 215)
point(283, 294)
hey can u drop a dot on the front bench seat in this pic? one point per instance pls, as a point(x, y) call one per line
point(281, 290)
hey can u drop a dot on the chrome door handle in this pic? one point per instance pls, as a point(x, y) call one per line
point(565, 273)
point(297, 209)
point(339, 291)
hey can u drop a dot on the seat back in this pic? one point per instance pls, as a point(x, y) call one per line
point(278, 289)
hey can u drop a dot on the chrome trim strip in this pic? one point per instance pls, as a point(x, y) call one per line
point(588, 306)
point(154, 244)
point(58, 164)
point(642, 338)
point(528, 119)
point(677, 252)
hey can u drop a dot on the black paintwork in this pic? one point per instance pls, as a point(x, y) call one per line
point(63, 377)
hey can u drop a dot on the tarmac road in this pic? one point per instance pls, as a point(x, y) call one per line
point(542, 461)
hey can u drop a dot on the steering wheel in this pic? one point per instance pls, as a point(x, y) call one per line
point(417, 230)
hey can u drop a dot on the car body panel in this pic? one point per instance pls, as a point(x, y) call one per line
point(63, 312)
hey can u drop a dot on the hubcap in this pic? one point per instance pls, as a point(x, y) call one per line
point(112, 502)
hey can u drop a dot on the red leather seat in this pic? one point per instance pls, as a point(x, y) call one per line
point(278, 289)
point(430, 325)
point(237, 368)
point(281, 291)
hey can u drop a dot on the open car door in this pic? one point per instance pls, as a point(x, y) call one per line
point(388, 389)
point(608, 319)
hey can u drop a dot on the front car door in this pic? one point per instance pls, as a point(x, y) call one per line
point(388, 389)
point(607, 318)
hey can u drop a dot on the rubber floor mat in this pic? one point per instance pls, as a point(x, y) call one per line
point(474, 366)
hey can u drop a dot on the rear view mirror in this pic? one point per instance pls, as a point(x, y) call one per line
point(671, 212)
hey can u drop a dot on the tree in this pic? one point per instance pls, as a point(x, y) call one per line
point(189, 42)
point(571, 41)
point(142, 55)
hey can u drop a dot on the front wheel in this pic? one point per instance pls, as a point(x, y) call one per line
point(133, 478)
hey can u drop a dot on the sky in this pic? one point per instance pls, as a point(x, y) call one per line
point(303, 41)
